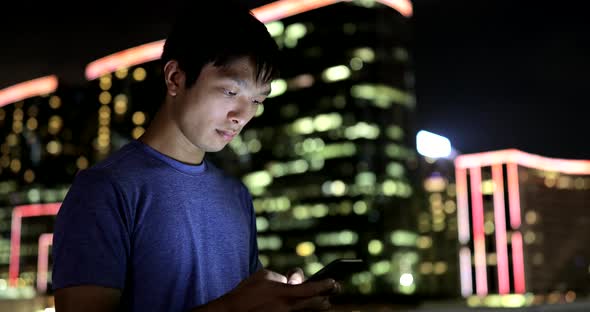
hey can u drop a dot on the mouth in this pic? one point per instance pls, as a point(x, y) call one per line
point(227, 135)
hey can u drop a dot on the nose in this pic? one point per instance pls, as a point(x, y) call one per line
point(241, 113)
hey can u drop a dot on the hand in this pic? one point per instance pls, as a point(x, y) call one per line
point(268, 291)
point(295, 276)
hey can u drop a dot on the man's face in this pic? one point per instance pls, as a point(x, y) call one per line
point(221, 102)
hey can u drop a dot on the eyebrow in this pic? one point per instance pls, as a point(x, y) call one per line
point(243, 83)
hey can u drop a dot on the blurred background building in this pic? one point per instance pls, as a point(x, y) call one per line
point(522, 226)
point(437, 218)
point(43, 146)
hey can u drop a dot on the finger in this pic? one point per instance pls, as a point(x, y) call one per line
point(274, 276)
point(295, 276)
point(319, 303)
point(337, 289)
point(311, 289)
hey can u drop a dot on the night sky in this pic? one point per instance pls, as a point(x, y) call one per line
point(489, 74)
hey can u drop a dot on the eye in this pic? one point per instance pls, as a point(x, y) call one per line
point(257, 102)
point(229, 92)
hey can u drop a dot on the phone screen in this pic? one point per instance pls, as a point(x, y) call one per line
point(338, 269)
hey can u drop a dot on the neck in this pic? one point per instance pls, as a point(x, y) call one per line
point(164, 135)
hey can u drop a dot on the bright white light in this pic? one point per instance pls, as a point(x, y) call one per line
point(275, 29)
point(336, 73)
point(277, 87)
point(432, 145)
point(406, 279)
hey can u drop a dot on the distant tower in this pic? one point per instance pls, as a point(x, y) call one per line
point(437, 219)
point(523, 220)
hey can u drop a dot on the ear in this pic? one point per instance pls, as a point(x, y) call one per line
point(174, 78)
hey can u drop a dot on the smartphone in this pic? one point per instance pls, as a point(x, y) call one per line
point(338, 269)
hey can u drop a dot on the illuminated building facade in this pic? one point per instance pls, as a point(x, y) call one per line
point(128, 88)
point(43, 147)
point(437, 219)
point(328, 158)
point(522, 223)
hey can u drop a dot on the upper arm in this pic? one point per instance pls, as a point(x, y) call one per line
point(91, 242)
point(88, 298)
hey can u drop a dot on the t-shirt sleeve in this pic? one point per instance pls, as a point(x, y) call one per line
point(91, 242)
point(255, 263)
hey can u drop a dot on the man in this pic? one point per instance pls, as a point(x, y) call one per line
point(156, 227)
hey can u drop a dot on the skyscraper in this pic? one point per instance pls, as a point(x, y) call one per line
point(329, 159)
point(437, 219)
point(522, 223)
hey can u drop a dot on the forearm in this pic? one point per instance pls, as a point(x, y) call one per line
point(220, 304)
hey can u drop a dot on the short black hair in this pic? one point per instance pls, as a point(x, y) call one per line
point(219, 32)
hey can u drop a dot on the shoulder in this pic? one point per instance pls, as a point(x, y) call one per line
point(104, 176)
point(128, 155)
point(126, 164)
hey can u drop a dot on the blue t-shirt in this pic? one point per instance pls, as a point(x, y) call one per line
point(171, 236)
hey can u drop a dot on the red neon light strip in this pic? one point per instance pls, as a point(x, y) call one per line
point(404, 7)
point(518, 263)
point(123, 59)
point(513, 195)
point(285, 8)
point(465, 267)
point(266, 13)
point(462, 205)
point(500, 225)
point(45, 240)
point(18, 213)
point(569, 166)
point(28, 89)
point(479, 244)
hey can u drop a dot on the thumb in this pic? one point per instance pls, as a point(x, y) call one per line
point(295, 276)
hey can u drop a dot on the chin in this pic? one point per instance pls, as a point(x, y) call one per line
point(215, 149)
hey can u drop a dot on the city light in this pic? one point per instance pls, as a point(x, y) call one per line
point(518, 262)
point(124, 59)
point(462, 205)
point(24, 90)
point(45, 240)
point(336, 73)
point(500, 225)
point(465, 269)
point(277, 87)
point(382, 96)
point(275, 28)
point(479, 244)
point(305, 249)
point(513, 194)
point(432, 145)
point(406, 279)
